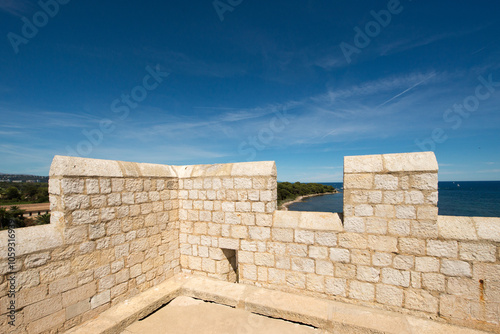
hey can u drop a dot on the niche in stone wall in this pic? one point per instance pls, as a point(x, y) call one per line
point(227, 267)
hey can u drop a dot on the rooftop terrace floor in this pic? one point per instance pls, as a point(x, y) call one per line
point(250, 309)
point(189, 315)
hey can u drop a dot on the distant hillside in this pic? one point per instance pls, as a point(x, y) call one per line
point(23, 178)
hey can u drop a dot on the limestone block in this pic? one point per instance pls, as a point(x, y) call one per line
point(464, 287)
point(72, 186)
point(421, 300)
point(361, 291)
point(325, 238)
point(406, 212)
point(385, 211)
point(389, 295)
point(303, 265)
point(262, 220)
point(264, 259)
point(368, 274)
point(410, 162)
point(361, 256)
point(357, 196)
point(414, 197)
point(243, 206)
point(36, 260)
point(259, 232)
point(304, 237)
point(403, 262)
point(106, 214)
point(427, 212)
point(324, 267)
point(54, 186)
point(106, 283)
point(393, 197)
point(442, 248)
point(416, 279)
point(477, 252)
point(261, 168)
point(382, 243)
point(296, 280)
point(315, 283)
point(276, 276)
point(399, 227)
point(105, 186)
point(456, 268)
point(253, 195)
point(75, 235)
point(433, 281)
point(454, 307)
point(386, 182)
point(353, 240)
point(325, 221)
point(488, 228)
point(283, 262)
point(208, 265)
point(345, 270)
point(239, 231)
point(363, 164)
point(232, 218)
point(76, 295)
point(376, 225)
point(375, 197)
point(336, 286)
point(425, 229)
point(425, 181)
point(258, 207)
point(317, 252)
point(355, 224)
point(382, 259)
point(288, 219)
point(340, 255)
point(426, 264)
point(100, 299)
point(358, 181)
point(227, 243)
point(396, 277)
point(363, 210)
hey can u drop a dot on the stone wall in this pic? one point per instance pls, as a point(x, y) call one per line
point(113, 234)
point(119, 228)
point(223, 210)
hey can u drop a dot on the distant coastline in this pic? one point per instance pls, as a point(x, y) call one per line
point(284, 206)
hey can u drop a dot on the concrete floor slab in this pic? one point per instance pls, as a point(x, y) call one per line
point(188, 315)
point(239, 308)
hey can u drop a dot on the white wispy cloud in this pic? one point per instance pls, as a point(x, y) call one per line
point(16, 7)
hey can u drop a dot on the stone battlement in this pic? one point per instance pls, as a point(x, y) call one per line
point(120, 228)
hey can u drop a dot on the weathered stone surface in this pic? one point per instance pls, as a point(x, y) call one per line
point(390, 295)
point(421, 300)
point(457, 228)
point(488, 228)
point(456, 268)
point(363, 164)
point(410, 162)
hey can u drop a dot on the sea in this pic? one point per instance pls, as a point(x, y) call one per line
point(458, 198)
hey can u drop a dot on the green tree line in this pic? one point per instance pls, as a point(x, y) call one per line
point(23, 193)
point(289, 191)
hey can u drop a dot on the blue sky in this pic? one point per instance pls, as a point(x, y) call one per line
point(303, 83)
